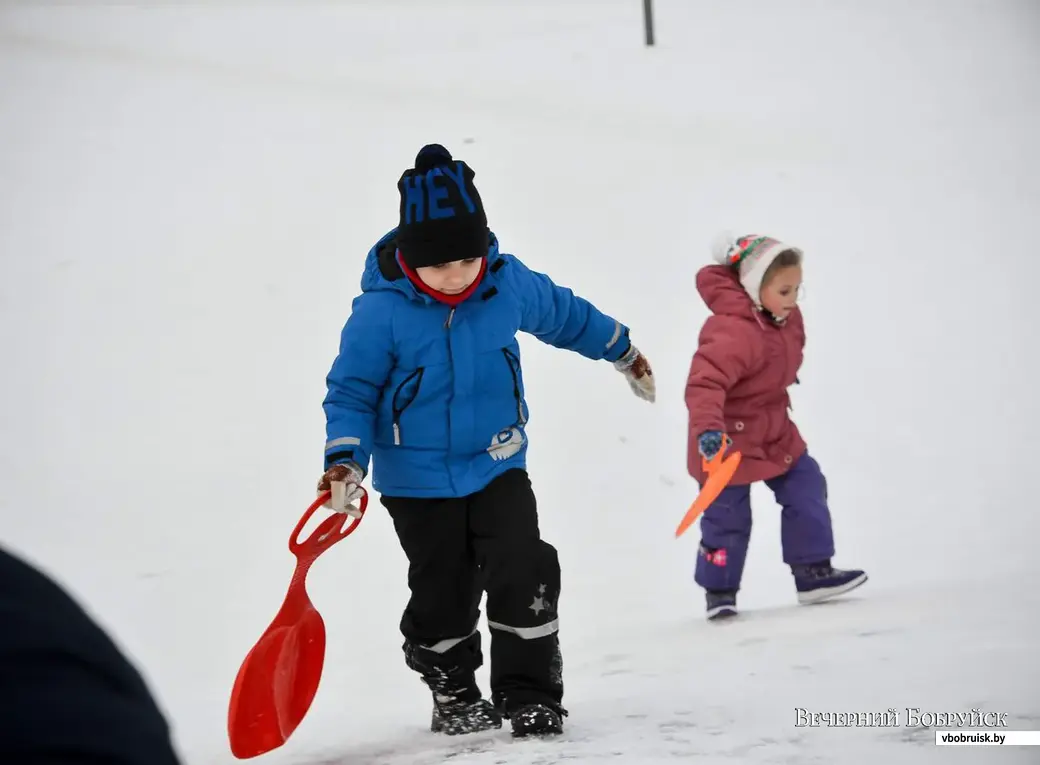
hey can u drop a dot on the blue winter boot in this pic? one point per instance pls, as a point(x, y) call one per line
point(720, 604)
point(817, 582)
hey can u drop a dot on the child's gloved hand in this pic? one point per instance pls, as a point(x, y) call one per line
point(636, 369)
point(344, 481)
point(709, 443)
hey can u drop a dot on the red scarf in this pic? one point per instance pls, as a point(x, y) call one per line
point(452, 300)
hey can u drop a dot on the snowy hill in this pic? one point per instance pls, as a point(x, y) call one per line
point(186, 199)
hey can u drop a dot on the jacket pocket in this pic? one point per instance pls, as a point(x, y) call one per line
point(403, 398)
point(513, 361)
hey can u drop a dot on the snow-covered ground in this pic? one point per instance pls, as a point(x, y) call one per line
point(186, 199)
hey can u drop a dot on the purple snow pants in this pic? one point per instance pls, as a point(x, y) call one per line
point(805, 525)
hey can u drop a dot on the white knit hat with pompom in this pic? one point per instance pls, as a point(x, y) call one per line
point(752, 254)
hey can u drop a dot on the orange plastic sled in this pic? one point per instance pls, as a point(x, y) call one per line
point(719, 472)
point(279, 676)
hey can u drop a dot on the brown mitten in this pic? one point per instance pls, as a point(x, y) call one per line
point(344, 482)
point(636, 369)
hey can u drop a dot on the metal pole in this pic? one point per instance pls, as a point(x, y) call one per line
point(648, 20)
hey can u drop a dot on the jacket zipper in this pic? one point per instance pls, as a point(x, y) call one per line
point(451, 365)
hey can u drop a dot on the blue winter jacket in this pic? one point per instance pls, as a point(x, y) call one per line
point(435, 394)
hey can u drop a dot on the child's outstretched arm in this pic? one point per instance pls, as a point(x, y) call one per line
point(724, 355)
point(355, 382)
point(555, 315)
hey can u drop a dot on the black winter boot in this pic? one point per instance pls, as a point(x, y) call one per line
point(818, 582)
point(457, 717)
point(542, 720)
point(720, 605)
point(458, 707)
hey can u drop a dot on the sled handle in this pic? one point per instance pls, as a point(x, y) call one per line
point(718, 475)
point(331, 530)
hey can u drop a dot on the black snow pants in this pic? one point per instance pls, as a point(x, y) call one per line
point(459, 548)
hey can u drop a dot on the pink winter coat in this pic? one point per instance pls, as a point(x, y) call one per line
point(739, 378)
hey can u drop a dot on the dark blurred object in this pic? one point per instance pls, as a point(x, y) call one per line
point(67, 693)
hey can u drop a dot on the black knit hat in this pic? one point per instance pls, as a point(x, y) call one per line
point(442, 218)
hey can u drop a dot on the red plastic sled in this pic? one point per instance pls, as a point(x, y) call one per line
point(279, 676)
point(719, 472)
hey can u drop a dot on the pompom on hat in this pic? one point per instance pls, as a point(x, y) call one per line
point(750, 256)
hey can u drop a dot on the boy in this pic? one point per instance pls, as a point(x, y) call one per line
point(428, 382)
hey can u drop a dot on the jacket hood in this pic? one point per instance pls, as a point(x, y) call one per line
point(722, 292)
point(720, 288)
point(382, 272)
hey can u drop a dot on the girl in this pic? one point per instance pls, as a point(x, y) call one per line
point(428, 382)
point(748, 354)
